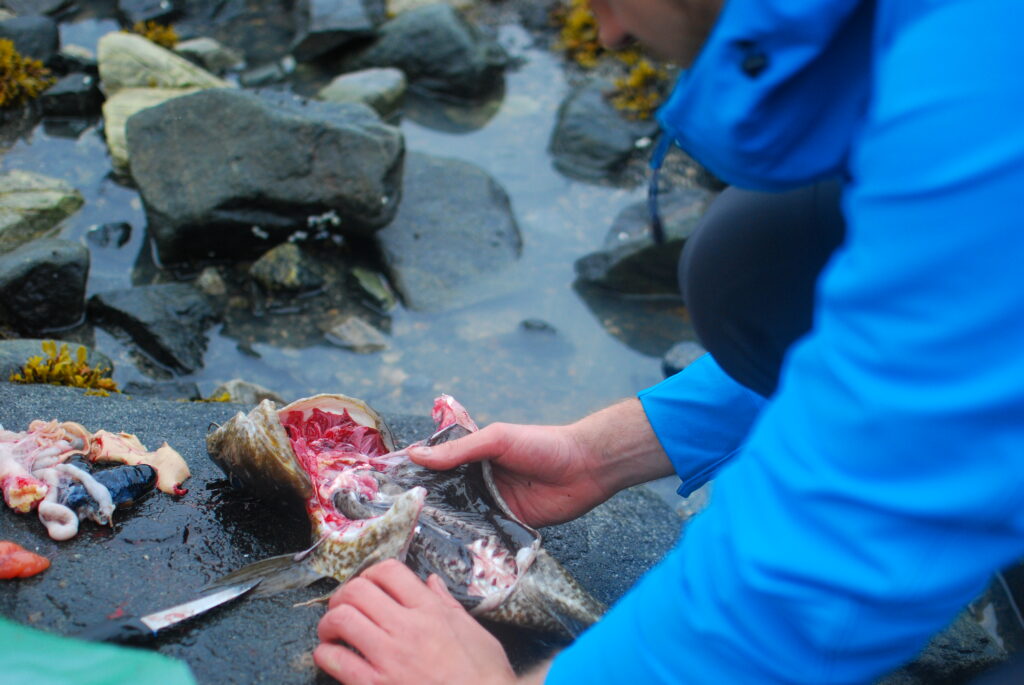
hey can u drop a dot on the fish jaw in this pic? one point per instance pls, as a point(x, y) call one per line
point(347, 551)
point(254, 449)
point(547, 598)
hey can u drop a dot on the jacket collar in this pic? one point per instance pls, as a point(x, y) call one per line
point(777, 93)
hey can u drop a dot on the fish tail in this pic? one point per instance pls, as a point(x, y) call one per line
point(276, 574)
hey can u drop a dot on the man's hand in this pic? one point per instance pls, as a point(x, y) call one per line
point(387, 627)
point(552, 474)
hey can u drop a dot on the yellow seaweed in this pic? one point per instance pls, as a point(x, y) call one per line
point(163, 35)
point(56, 367)
point(21, 78)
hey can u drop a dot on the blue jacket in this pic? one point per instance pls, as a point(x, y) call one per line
point(861, 507)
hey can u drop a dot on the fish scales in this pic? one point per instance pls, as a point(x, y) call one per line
point(367, 502)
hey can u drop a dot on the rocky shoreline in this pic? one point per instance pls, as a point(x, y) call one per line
point(257, 200)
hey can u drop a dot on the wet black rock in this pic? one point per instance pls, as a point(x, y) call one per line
point(438, 50)
point(324, 25)
point(680, 356)
point(266, 74)
point(954, 656)
point(138, 566)
point(591, 139)
point(74, 59)
point(15, 353)
point(257, 167)
point(630, 261)
point(34, 36)
point(110, 235)
point(166, 321)
point(287, 269)
point(73, 95)
point(454, 229)
point(42, 285)
point(167, 390)
point(163, 11)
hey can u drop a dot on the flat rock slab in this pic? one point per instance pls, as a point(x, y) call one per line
point(161, 552)
point(454, 230)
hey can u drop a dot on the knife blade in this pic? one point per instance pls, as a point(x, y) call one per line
point(141, 630)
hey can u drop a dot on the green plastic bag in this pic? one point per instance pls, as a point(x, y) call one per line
point(32, 656)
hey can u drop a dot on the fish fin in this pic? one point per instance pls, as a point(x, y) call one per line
point(277, 574)
point(316, 600)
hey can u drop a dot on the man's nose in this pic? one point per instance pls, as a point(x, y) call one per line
point(610, 31)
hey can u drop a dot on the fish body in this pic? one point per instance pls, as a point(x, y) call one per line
point(367, 502)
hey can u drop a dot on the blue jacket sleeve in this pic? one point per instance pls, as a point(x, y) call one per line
point(701, 417)
point(884, 482)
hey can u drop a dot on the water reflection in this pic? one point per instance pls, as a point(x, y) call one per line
point(592, 351)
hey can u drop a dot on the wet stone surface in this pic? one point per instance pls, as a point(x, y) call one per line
point(162, 552)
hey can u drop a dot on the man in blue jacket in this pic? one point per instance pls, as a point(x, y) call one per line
point(868, 455)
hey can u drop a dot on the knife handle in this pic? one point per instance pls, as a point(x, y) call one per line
point(126, 631)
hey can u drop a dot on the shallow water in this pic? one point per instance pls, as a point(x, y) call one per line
point(589, 356)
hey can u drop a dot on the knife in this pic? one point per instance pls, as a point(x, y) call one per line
point(145, 629)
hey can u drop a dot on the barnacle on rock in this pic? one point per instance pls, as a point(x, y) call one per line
point(163, 35)
point(641, 91)
point(58, 368)
point(21, 78)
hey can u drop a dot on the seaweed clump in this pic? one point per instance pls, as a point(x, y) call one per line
point(21, 78)
point(163, 35)
point(641, 90)
point(58, 368)
point(578, 35)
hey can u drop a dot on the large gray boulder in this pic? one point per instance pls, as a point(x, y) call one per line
point(591, 139)
point(438, 50)
point(34, 36)
point(630, 262)
point(454, 229)
point(324, 25)
point(42, 285)
point(224, 173)
point(166, 321)
point(32, 206)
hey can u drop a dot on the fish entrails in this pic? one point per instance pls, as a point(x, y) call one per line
point(366, 502)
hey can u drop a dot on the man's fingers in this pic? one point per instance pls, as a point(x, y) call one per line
point(435, 583)
point(483, 444)
point(368, 597)
point(344, 665)
point(349, 625)
point(398, 581)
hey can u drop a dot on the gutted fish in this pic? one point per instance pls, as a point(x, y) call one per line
point(366, 502)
